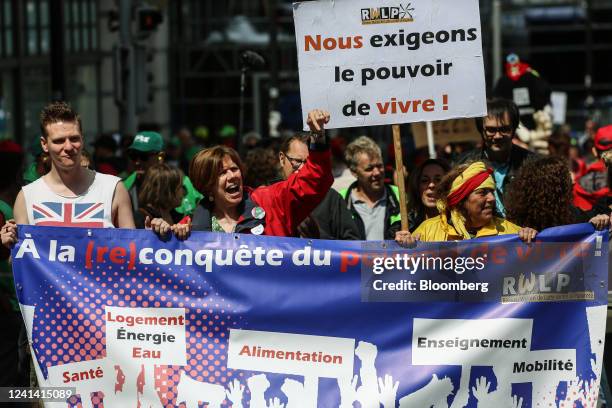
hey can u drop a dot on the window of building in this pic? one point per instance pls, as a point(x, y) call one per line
point(33, 29)
point(6, 28)
point(7, 129)
point(38, 94)
point(44, 26)
point(80, 18)
point(83, 94)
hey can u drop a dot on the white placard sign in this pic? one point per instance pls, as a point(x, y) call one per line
point(559, 107)
point(289, 353)
point(480, 342)
point(377, 62)
point(146, 335)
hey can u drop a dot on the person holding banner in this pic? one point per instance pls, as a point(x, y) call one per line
point(160, 193)
point(467, 210)
point(275, 210)
point(60, 197)
point(541, 197)
point(69, 195)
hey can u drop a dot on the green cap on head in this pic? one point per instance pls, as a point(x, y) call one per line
point(147, 142)
point(227, 131)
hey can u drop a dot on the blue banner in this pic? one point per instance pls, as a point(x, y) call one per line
point(241, 320)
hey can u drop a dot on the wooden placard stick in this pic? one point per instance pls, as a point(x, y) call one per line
point(401, 177)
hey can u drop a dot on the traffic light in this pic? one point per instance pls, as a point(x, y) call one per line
point(144, 78)
point(148, 18)
point(112, 22)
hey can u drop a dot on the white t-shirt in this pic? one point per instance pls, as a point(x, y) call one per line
point(93, 209)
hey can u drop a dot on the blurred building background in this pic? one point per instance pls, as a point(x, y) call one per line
point(187, 60)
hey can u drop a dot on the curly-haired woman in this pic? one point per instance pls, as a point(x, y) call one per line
point(541, 196)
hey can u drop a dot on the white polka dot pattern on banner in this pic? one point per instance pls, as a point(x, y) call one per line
point(73, 328)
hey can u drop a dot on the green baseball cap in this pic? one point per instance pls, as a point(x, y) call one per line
point(227, 131)
point(147, 142)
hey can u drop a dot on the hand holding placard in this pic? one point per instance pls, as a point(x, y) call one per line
point(317, 119)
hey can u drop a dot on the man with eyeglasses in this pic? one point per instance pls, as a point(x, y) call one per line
point(145, 151)
point(498, 129)
point(374, 204)
point(331, 219)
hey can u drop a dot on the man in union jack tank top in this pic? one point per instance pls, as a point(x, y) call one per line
point(69, 195)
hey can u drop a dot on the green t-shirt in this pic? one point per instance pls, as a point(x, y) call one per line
point(6, 210)
point(7, 284)
point(30, 174)
point(191, 200)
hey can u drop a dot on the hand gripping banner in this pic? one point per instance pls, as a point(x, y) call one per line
point(129, 320)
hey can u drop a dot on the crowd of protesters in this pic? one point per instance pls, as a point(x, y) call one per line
point(306, 185)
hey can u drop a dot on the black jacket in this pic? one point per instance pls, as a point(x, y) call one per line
point(392, 211)
point(334, 219)
point(517, 156)
point(202, 217)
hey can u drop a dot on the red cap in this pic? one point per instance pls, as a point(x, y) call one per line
point(106, 168)
point(603, 138)
point(8, 146)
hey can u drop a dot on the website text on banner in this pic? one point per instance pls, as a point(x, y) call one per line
point(390, 61)
point(127, 319)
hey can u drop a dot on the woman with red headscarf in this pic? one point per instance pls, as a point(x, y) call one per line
point(466, 202)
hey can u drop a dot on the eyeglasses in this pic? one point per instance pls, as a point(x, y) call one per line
point(295, 163)
point(502, 130)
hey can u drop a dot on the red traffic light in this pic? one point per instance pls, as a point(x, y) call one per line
point(149, 19)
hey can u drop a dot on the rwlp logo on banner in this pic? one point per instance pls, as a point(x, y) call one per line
point(385, 15)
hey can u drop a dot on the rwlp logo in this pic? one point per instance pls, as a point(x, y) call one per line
point(382, 15)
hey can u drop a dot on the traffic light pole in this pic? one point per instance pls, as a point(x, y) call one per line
point(273, 91)
point(126, 98)
point(496, 23)
point(58, 56)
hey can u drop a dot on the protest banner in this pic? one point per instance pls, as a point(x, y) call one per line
point(390, 61)
point(229, 320)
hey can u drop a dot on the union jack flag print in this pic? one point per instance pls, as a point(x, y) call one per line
point(50, 214)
